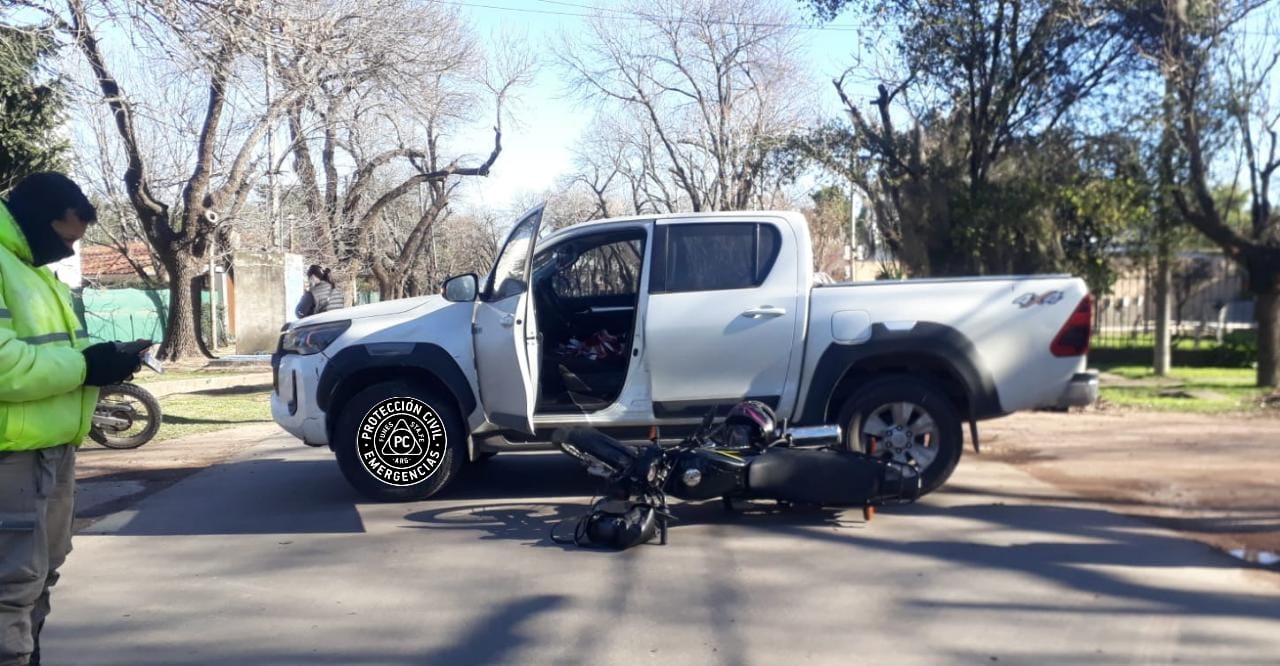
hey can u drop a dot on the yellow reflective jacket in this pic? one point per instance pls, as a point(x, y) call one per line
point(43, 399)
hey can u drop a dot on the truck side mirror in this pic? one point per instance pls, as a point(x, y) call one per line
point(461, 288)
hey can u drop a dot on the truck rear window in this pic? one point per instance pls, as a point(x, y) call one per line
point(709, 257)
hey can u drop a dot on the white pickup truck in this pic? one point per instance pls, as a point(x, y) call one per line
point(624, 324)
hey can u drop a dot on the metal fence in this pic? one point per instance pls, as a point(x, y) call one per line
point(1209, 301)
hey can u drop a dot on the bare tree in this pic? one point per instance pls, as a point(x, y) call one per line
point(600, 162)
point(371, 137)
point(467, 243)
point(191, 161)
point(711, 87)
point(118, 227)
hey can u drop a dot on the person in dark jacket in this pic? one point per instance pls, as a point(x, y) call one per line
point(49, 374)
point(321, 296)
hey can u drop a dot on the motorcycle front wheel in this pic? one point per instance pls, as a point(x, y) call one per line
point(126, 417)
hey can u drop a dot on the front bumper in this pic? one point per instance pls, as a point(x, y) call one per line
point(293, 402)
point(1081, 391)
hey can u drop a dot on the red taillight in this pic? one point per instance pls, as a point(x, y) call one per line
point(1073, 337)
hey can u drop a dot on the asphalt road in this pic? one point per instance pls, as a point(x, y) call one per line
point(269, 558)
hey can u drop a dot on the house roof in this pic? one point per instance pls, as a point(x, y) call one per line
point(99, 261)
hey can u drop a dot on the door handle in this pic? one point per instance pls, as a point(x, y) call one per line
point(508, 321)
point(764, 312)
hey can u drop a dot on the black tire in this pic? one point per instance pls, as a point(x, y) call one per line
point(362, 479)
point(872, 398)
point(150, 417)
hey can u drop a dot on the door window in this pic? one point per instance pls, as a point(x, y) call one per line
point(610, 269)
point(709, 257)
point(508, 276)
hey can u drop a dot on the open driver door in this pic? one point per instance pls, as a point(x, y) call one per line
point(506, 332)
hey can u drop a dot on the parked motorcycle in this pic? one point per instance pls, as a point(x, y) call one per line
point(745, 458)
point(127, 415)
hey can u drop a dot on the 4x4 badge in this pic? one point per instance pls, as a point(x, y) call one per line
point(1030, 298)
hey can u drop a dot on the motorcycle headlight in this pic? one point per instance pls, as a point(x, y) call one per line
point(313, 339)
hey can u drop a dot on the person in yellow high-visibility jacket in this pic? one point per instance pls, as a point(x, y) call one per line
point(49, 375)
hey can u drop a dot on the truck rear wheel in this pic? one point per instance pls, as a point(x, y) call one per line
point(398, 442)
point(905, 419)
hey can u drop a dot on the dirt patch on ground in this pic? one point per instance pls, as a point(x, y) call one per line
point(1215, 478)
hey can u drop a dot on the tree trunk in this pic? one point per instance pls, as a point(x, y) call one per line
point(180, 328)
point(1266, 310)
point(386, 280)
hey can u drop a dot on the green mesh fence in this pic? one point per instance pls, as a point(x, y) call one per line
point(126, 314)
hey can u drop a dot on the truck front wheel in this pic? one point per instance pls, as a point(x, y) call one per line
point(907, 420)
point(398, 442)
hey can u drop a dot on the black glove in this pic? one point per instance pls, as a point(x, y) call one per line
point(112, 362)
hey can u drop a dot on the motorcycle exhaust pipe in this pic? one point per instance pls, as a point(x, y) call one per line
point(821, 435)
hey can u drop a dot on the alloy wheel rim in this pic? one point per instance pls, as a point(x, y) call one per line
point(901, 431)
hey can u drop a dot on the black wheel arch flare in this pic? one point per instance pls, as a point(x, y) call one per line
point(927, 349)
point(359, 366)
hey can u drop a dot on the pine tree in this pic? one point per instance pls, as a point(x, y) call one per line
point(30, 107)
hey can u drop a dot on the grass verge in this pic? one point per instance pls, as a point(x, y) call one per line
point(214, 409)
point(1199, 390)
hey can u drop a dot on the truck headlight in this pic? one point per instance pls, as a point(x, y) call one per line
point(313, 339)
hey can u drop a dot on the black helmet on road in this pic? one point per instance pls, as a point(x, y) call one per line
point(751, 423)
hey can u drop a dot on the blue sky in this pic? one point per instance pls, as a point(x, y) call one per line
point(537, 149)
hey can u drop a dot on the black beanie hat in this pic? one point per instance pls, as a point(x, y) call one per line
point(36, 202)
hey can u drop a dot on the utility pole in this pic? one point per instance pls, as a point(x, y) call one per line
point(273, 197)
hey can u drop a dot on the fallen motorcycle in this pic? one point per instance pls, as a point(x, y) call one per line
point(127, 415)
point(745, 458)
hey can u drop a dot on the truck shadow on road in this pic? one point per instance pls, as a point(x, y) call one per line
point(273, 495)
point(258, 496)
point(523, 475)
point(568, 491)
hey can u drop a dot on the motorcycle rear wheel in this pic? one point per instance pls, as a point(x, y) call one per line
point(119, 400)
